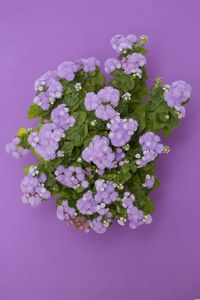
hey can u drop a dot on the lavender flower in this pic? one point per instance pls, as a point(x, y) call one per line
point(121, 43)
point(15, 149)
point(90, 64)
point(61, 117)
point(100, 224)
point(121, 130)
point(111, 64)
point(72, 177)
point(103, 102)
point(149, 181)
point(65, 212)
point(86, 205)
point(132, 63)
point(34, 190)
point(99, 152)
point(45, 142)
point(151, 148)
point(178, 93)
point(68, 69)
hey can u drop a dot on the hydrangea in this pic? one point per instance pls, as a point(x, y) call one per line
point(34, 189)
point(121, 42)
point(121, 130)
point(72, 177)
point(178, 93)
point(15, 149)
point(97, 143)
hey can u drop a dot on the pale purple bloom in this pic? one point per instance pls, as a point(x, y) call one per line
point(89, 64)
point(181, 111)
point(151, 147)
point(68, 69)
point(128, 199)
point(120, 42)
point(86, 205)
point(149, 181)
point(15, 149)
point(105, 191)
point(121, 130)
point(65, 212)
point(61, 117)
point(45, 142)
point(99, 225)
point(91, 101)
point(45, 80)
point(103, 102)
point(100, 153)
point(72, 177)
point(43, 100)
point(178, 93)
point(111, 64)
point(34, 190)
point(132, 63)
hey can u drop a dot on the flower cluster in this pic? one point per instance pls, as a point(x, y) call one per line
point(97, 143)
point(15, 149)
point(46, 140)
point(99, 153)
point(176, 94)
point(72, 177)
point(103, 102)
point(33, 188)
point(121, 130)
point(131, 63)
point(121, 42)
point(151, 148)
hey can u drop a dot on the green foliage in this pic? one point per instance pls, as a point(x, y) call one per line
point(35, 111)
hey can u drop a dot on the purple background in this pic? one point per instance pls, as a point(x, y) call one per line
point(41, 258)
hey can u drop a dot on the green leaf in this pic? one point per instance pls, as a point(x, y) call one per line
point(68, 148)
point(80, 117)
point(35, 111)
point(148, 208)
point(22, 131)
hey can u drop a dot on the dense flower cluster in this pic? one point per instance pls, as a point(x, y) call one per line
point(151, 148)
point(46, 140)
point(15, 149)
point(132, 63)
point(100, 153)
point(103, 102)
point(33, 188)
point(121, 130)
point(121, 42)
point(176, 94)
point(72, 177)
point(97, 143)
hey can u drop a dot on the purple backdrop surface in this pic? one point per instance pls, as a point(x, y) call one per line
point(41, 258)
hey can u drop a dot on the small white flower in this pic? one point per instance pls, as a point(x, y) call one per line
point(138, 155)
